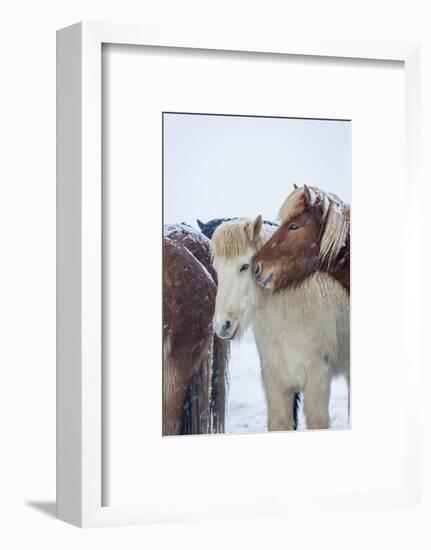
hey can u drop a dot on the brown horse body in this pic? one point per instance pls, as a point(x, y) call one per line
point(314, 236)
point(195, 360)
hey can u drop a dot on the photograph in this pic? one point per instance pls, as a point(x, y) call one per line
point(256, 273)
point(178, 184)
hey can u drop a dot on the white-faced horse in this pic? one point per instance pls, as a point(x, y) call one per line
point(302, 333)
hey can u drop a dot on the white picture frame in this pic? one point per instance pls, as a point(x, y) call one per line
point(79, 263)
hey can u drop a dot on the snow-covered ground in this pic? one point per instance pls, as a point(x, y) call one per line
point(246, 405)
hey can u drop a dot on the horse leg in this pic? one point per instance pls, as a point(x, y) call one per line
point(280, 406)
point(316, 399)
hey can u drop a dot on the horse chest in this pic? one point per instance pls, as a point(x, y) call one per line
point(294, 339)
point(282, 354)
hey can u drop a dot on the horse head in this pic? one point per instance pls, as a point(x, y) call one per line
point(234, 244)
point(314, 227)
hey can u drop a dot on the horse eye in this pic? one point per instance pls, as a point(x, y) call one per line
point(244, 267)
point(293, 227)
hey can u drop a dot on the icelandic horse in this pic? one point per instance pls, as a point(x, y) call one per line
point(312, 242)
point(301, 334)
point(195, 360)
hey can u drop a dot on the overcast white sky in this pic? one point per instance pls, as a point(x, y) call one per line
point(224, 166)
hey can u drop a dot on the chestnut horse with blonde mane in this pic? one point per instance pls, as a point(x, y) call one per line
point(195, 360)
point(313, 237)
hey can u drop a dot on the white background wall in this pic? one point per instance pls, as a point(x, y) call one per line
point(27, 275)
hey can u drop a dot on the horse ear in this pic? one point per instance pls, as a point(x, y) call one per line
point(257, 226)
point(200, 224)
point(309, 197)
point(253, 228)
point(295, 186)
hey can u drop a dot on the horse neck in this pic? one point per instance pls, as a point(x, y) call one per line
point(299, 305)
point(264, 306)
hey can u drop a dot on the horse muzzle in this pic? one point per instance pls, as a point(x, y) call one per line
point(262, 279)
point(226, 329)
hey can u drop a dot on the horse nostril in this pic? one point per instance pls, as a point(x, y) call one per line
point(226, 326)
point(257, 269)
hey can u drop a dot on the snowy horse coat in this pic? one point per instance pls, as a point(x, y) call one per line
point(302, 334)
point(195, 359)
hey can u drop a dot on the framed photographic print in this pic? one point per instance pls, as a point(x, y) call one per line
point(212, 195)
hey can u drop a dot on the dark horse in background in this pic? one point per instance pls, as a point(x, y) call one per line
point(208, 229)
point(195, 360)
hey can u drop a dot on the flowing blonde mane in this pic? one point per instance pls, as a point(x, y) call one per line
point(335, 218)
point(231, 238)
